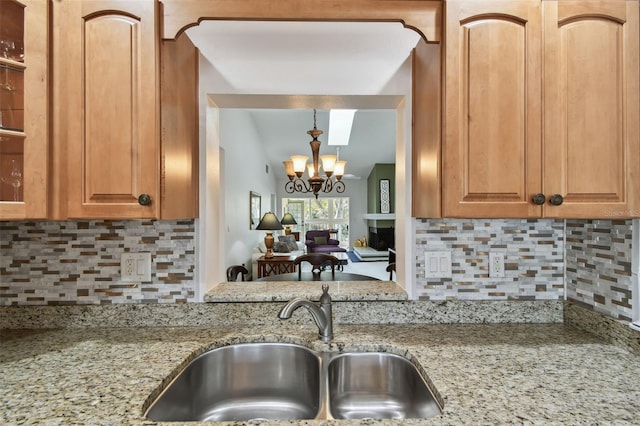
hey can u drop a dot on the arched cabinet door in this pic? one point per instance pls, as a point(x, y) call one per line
point(591, 108)
point(107, 120)
point(491, 150)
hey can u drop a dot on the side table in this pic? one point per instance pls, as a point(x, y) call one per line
point(275, 265)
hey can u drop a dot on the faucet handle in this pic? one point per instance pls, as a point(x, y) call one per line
point(325, 298)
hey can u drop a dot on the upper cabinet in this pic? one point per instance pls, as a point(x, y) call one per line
point(125, 117)
point(24, 119)
point(525, 108)
point(513, 148)
point(492, 149)
point(107, 109)
point(591, 108)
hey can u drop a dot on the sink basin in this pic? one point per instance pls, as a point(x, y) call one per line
point(243, 382)
point(279, 381)
point(378, 386)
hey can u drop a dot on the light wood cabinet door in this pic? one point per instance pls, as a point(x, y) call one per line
point(24, 111)
point(106, 124)
point(180, 127)
point(426, 130)
point(492, 127)
point(591, 108)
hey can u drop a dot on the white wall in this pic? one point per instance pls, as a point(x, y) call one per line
point(244, 171)
point(208, 226)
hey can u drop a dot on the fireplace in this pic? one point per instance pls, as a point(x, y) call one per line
point(381, 238)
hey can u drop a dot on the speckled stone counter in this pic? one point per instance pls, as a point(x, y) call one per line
point(281, 291)
point(255, 303)
point(606, 328)
point(266, 313)
point(486, 374)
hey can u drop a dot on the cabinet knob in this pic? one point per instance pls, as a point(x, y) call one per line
point(556, 199)
point(539, 199)
point(144, 200)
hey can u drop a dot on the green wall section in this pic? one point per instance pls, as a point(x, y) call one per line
point(378, 172)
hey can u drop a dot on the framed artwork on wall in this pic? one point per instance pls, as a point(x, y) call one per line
point(255, 206)
point(385, 203)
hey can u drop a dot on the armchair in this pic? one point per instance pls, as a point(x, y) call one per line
point(319, 241)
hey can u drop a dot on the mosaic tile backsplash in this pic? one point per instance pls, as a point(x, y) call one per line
point(78, 262)
point(598, 257)
point(534, 258)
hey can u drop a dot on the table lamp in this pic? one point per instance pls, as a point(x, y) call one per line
point(269, 222)
point(287, 221)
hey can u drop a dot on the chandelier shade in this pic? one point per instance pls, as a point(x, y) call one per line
point(331, 165)
point(299, 164)
point(328, 163)
point(288, 167)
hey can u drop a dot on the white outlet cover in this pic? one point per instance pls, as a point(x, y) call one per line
point(496, 264)
point(437, 264)
point(135, 267)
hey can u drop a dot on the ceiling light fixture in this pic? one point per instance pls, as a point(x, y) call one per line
point(331, 164)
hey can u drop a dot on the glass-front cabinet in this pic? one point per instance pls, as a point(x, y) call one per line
point(24, 121)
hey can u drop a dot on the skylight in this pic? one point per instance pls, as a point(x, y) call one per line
point(340, 122)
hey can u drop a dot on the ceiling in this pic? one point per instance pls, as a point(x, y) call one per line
point(295, 65)
point(372, 137)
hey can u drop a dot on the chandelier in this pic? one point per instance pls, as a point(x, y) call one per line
point(331, 164)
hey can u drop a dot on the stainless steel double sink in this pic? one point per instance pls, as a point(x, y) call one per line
point(278, 381)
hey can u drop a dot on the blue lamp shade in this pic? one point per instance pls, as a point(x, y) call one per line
point(269, 222)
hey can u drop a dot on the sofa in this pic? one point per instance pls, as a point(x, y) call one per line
point(278, 250)
point(319, 241)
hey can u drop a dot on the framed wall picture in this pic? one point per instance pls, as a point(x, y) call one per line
point(385, 202)
point(255, 207)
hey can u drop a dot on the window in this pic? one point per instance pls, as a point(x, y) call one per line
point(323, 213)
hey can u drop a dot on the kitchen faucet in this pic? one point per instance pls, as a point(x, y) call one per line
point(321, 314)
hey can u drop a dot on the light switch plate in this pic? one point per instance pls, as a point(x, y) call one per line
point(437, 264)
point(135, 267)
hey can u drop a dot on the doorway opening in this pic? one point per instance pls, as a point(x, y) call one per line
point(392, 94)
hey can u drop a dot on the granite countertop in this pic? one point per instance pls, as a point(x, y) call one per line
point(485, 373)
point(282, 291)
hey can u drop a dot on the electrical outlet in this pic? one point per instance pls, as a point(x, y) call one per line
point(496, 264)
point(135, 267)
